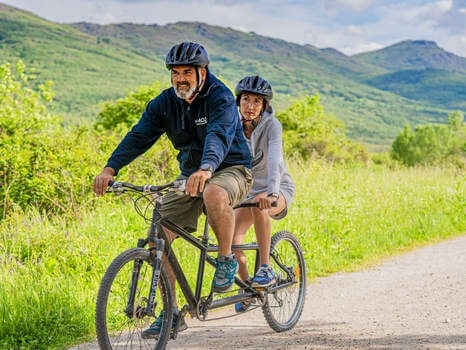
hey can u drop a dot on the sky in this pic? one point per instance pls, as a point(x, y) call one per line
point(350, 26)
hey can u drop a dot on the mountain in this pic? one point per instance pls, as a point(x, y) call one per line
point(373, 93)
point(421, 71)
point(84, 73)
point(413, 55)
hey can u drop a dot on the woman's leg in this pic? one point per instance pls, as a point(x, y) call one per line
point(263, 227)
point(243, 221)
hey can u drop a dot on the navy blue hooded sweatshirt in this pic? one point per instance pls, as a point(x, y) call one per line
point(207, 132)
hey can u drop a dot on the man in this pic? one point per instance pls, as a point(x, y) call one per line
point(200, 117)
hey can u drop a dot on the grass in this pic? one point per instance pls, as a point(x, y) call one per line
point(345, 218)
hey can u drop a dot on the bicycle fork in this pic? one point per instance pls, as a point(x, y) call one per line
point(141, 312)
point(159, 245)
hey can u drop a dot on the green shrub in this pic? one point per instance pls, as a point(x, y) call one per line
point(312, 134)
point(432, 144)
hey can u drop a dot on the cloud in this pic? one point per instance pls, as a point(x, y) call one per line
point(334, 6)
point(454, 18)
point(389, 22)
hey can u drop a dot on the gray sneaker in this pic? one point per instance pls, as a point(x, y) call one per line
point(224, 276)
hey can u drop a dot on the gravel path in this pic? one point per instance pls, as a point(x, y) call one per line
point(412, 301)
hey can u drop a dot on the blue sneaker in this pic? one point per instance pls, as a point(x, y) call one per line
point(264, 277)
point(242, 306)
point(154, 330)
point(224, 276)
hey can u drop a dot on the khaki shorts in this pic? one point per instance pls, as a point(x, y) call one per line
point(185, 210)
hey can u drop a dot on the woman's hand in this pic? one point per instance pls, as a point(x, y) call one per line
point(266, 202)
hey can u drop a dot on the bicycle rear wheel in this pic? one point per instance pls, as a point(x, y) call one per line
point(284, 304)
point(119, 323)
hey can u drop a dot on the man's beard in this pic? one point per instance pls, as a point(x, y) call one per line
point(184, 94)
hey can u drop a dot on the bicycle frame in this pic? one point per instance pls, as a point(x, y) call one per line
point(194, 298)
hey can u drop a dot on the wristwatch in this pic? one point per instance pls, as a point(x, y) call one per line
point(274, 195)
point(206, 167)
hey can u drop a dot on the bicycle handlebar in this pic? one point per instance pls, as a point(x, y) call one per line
point(118, 186)
point(179, 185)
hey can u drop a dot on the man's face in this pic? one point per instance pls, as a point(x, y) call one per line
point(184, 80)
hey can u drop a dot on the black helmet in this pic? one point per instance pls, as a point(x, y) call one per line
point(255, 85)
point(187, 54)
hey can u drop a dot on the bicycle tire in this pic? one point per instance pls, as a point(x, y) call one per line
point(115, 329)
point(285, 303)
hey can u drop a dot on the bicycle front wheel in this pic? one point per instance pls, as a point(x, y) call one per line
point(284, 304)
point(122, 301)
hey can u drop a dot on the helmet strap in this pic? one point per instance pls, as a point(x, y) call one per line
point(199, 85)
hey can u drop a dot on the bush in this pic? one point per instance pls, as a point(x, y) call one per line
point(432, 144)
point(312, 134)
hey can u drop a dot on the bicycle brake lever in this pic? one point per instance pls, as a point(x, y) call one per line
point(116, 187)
point(179, 185)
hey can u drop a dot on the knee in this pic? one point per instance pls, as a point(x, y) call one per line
point(215, 195)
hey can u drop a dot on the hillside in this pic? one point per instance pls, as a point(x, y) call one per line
point(91, 63)
point(421, 71)
point(84, 73)
point(413, 55)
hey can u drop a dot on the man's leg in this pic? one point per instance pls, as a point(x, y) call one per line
point(226, 188)
point(221, 216)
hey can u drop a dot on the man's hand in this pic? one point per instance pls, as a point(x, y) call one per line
point(197, 181)
point(102, 180)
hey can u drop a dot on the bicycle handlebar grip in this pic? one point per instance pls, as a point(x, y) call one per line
point(252, 205)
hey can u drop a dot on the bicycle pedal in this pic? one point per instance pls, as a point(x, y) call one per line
point(261, 289)
point(264, 289)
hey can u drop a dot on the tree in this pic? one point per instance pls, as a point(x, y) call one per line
point(25, 136)
point(309, 132)
point(456, 121)
point(42, 164)
point(431, 144)
point(127, 110)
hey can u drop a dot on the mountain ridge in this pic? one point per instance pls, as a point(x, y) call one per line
point(423, 54)
point(91, 63)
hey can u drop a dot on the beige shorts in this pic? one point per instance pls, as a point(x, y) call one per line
point(185, 210)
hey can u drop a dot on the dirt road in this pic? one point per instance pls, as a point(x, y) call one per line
point(413, 301)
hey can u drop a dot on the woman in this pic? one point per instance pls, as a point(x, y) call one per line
point(271, 181)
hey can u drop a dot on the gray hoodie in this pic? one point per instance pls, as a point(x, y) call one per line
point(269, 171)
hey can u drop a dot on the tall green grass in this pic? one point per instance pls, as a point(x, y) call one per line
point(345, 218)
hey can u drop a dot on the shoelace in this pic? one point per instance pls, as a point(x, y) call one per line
point(224, 268)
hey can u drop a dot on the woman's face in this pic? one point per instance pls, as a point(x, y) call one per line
point(250, 105)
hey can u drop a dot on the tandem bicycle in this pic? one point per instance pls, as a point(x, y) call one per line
point(135, 288)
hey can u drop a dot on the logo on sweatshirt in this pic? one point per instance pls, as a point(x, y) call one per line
point(200, 121)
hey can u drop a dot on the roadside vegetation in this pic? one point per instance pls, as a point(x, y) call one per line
point(352, 208)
